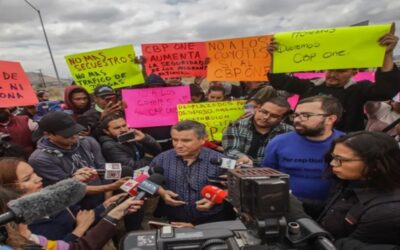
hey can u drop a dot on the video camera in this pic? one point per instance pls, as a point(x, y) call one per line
point(261, 198)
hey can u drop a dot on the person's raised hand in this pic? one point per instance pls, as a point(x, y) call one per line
point(389, 40)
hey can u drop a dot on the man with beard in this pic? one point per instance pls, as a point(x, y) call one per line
point(338, 83)
point(301, 153)
point(245, 140)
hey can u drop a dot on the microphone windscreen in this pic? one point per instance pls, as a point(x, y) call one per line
point(214, 194)
point(216, 161)
point(49, 201)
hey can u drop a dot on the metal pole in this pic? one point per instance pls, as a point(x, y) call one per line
point(47, 41)
point(41, 76)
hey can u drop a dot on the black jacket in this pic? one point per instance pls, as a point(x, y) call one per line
point(130, 154)
point(352, 96)
point(363, 214)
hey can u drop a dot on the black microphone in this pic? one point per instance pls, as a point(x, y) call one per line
point(149, 186)
point(156, 169)
point(49, 201)
point(229, 163)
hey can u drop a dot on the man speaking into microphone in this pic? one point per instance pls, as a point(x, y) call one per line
point(187, 169)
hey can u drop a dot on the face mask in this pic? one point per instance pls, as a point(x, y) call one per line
point(4, 116)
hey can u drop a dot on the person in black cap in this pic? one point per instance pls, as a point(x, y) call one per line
point(105, 103)
point(61, 153)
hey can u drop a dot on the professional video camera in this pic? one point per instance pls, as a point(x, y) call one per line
point(261, 198)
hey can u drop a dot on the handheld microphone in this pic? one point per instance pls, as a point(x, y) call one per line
point(114, 171)
point(214, 194)
point(48, 201)
point(149, 186)
point(144, 184)
point(229, 163)
point(156, 169)
point(130, 188)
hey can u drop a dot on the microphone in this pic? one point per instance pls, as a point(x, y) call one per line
point(114, 171)
point(130, 188)
point(145, 185)
point(149, 186)
point(214, 194)
point(156, 169)
point(49, 201)
point(229, 163)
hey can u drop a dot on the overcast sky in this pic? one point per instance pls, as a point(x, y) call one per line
point(75, 26)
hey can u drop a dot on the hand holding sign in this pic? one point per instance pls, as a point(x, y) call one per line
point(332, 48)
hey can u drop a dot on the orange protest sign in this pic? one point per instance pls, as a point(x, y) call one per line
point(239, 59)
point(15, 88)
point(170, 60)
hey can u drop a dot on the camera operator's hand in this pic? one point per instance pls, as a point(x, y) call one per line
point(169, 198)
point(204, 205)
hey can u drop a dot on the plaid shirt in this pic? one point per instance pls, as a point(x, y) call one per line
point(238, 137)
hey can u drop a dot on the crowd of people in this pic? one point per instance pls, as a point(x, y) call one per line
point(339, 145)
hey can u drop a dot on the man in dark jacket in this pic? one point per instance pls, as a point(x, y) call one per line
point(135, 153)
point(352, 95)
point(62, 154)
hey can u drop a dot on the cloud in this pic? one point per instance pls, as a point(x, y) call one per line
point(75, 26)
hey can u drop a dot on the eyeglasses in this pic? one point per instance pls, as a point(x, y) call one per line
point(267, 113)
point(340, 159)
point(305, 116)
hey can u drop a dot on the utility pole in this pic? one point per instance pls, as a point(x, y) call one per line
point(47, 40)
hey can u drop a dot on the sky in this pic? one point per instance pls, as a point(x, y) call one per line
point(75, 26)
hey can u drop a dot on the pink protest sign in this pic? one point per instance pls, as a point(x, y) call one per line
point(365, 75)
point(293, 100)
point(154, 107)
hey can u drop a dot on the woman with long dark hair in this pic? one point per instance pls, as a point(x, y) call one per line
point(366, 208)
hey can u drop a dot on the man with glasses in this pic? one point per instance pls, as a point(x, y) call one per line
point(339, 83)
point(61, 153)
point(245, 139)
point(187, 169)
point(301, 153)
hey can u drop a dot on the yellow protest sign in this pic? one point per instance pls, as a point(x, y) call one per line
point(114, 67)
point(216, 116)
point(333, 48)
point(239, 59)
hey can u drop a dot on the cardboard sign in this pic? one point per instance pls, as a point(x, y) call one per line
point(216, 116)
point(154, 107)
point(333, 48)
point(15, 88)
point(239, 59)
point(114, 67)
point(169, 60)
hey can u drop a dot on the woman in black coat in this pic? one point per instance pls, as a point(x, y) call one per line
point(366, 208)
